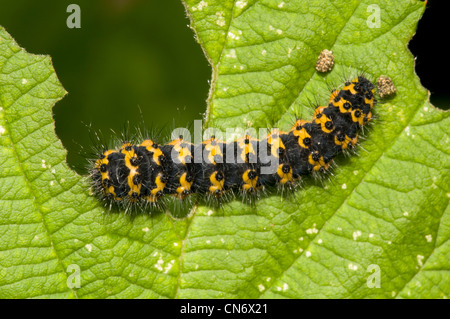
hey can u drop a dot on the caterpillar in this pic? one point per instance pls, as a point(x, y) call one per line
point(148, 172)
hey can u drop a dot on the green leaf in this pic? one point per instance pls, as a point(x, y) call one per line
point(387, 207)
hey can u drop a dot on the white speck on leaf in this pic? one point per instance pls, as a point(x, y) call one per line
point(356, 234)
point(200, 6)
point(420, 260)
point(232, 36)
point(169, 266)
point(289, 52)
point(159, 264)
point(231, 54)
point(241, 4)
point(352, 267)
point(429, 238)
point(220, 19)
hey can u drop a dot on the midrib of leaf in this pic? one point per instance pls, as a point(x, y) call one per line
point(214, 77)
point(215, 74)
point(215, 68)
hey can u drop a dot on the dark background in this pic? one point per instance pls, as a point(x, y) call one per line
point(132, 55)
point(429, 46)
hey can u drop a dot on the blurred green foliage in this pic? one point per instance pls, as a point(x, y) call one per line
point(128, 55)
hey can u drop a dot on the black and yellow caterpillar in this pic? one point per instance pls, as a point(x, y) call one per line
point(146, 172)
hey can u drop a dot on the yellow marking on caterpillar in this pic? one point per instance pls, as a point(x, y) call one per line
point(246, 148)
point(360, 119)
point(369, 101)
point(249, 184)
point(300, 133)
point(368, 117)
point(298, 123)
point(184, 186)
point(216, 185)
point(345, 142)
point(213, 148)
point(110, 190)
point(129, 154)
point(133, 187)
point(150, 146)
point(317, 164)
point(333, 96)
point(105, 175)
point(153, 197)
point(351, 86)
point(183, 152)
point(275, 141)
point(340, 105)
point(322, 119)
point(284, 177)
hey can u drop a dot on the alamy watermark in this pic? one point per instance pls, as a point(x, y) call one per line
point(374, 20)
point(74, 19)
point(74, 279)
point(374, 279)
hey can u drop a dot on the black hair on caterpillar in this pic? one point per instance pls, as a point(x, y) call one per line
point(146, 173)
